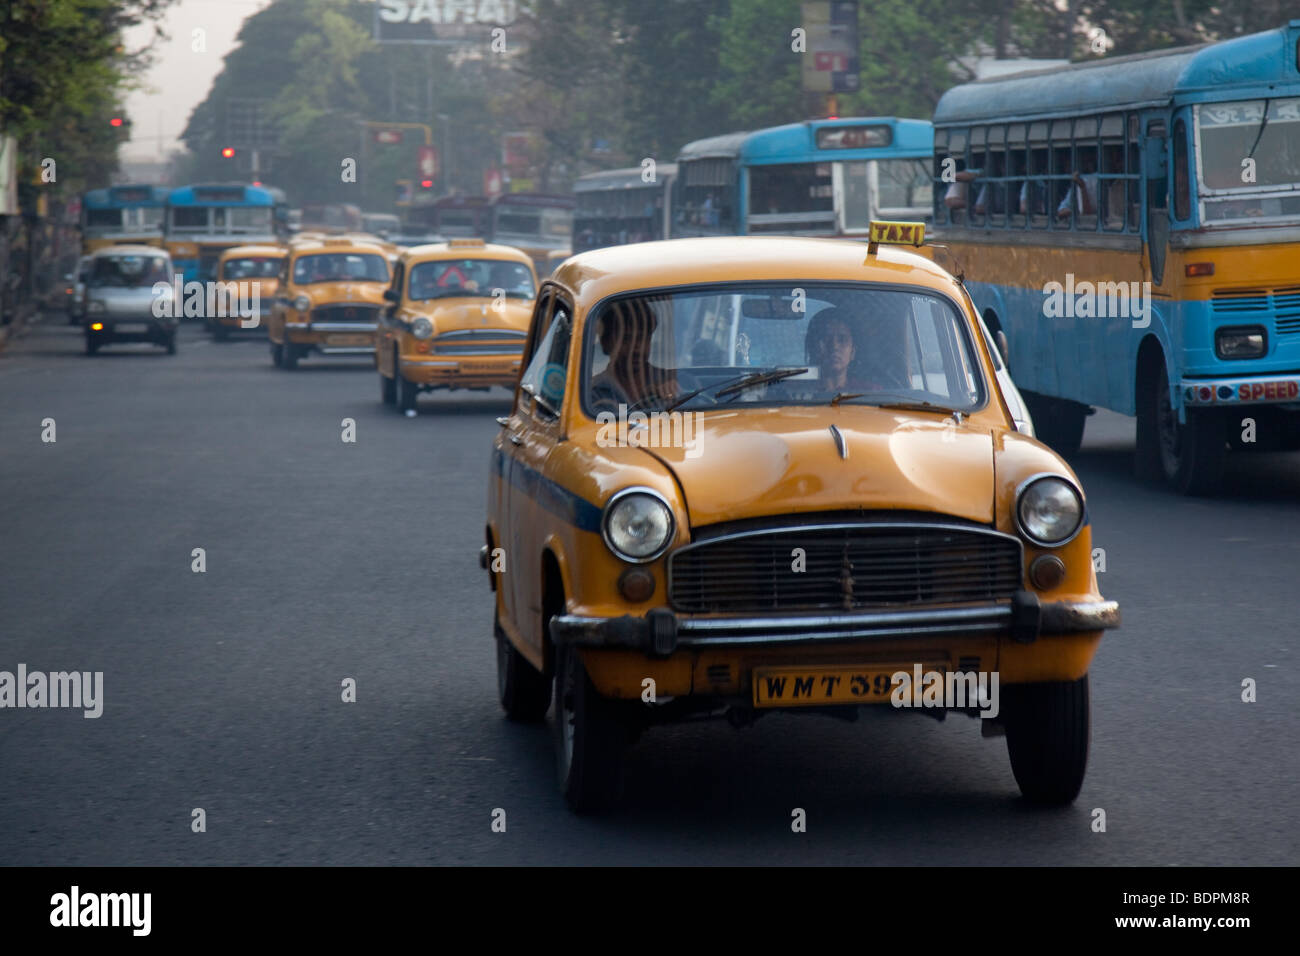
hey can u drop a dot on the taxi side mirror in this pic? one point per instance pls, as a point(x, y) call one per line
point(391, 296)
point(1001, 338)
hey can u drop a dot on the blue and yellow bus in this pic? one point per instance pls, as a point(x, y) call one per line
point(131, 213)
point(1133, 227)
point(203, 220)
point(620, 206)
point(826, 177)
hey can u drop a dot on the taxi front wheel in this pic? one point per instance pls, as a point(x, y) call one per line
point(590, 740)
point(387, 389)
point(407, 392)
point(1047, 738)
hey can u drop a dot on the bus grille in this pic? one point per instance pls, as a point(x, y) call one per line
point(845, 567)
point(1284, 304)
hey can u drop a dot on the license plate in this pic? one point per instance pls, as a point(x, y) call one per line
point(819, 686)
point(349, 340)
point(499, 366)
point(131, 327)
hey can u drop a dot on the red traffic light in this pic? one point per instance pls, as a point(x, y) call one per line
point(426, 183)
point(228, 152)
point(115, 121)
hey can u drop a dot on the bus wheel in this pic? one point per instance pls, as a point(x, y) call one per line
point(1057, 422)
point(1190, 457)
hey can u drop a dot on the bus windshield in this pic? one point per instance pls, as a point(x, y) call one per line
point(1231, 132)
point(827, 198)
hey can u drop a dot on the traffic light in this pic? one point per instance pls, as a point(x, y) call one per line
point(228, 152)
point(426, 183)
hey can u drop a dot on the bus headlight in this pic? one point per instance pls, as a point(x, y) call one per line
point(422, 328)
point(638, 525)
point(1049, 510)
point(1240, 342)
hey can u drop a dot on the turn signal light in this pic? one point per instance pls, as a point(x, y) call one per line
point(97, 326)
point(1199, 269)
point(1047, 572)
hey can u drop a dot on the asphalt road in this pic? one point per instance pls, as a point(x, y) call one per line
point(327, 560)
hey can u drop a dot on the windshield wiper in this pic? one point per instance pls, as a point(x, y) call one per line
point(1251, 154)
point(894, 401)
point(737, 383)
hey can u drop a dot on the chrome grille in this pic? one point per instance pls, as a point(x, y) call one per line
point(480, 342)
point(847, 567)
point(345, 313)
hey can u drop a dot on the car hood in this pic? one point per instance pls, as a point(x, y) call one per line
point(337, 293)
point(118, 299)
point(477, 313)
point(758, 462)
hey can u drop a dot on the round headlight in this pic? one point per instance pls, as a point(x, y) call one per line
point(638, 525)
point(1049, 510)
point(302, 303)
point(422, 328)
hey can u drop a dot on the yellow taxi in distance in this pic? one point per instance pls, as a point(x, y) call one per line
point(457, 318)
point(250, 270)
point(330, 296)
point(743, 475)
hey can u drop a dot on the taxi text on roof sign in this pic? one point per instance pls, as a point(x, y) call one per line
point(897, 233)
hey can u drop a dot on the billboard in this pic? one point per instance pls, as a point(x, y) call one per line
point(830, 62)
point(441, 21)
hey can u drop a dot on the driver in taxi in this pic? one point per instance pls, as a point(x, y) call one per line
point(625, 331)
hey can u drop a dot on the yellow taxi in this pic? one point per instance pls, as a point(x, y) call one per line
point(457, 318)
point(330, 296)
point(758, 474)
point(250, 274)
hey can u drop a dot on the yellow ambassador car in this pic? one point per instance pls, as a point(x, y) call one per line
point(252, 270)
point(457, 318)
point(330, 296)
point(752, 474)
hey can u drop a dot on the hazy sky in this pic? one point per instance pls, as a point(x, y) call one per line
point(180, 78)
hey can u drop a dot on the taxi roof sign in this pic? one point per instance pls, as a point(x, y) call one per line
point(895, 233)
point(476, 243)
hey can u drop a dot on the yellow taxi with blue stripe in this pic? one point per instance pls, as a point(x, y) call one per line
point(457, 317)
point(329, 298)
point(758, 474)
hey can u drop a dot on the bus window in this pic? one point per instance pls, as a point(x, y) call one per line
point(1110, 202)
point(791, 196)
point(855, 197)
point(1182, 189)
point(903, 184)
point(190, 218)
point(104, 218)
point(1033, 197)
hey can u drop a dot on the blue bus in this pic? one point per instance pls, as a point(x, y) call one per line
point(826, 177)
point(203, 220)
point(619, 206)
point(131, 213)
point(1133, 226)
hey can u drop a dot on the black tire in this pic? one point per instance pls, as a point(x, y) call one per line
point(1048, 727)
point(407, 392)
point(1189, 458)
point(1057, 422)
point(277, 355)
point(92, 345)
point(170, 343)
point(290, 360)
point(590, 741)
point(524, 691)
point(388, 386)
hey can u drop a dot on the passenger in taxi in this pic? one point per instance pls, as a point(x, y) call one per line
point(830, 345)
point(625, 331)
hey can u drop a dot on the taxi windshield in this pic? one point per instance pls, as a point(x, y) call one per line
point(340, 267)
point(129, 272)
point(488, 278)
point(789, 344)
point(251, 268)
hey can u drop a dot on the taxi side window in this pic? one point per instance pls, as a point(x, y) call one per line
point(543, 379)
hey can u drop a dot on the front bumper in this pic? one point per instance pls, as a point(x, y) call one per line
point(333, 338)
point(660, 632)
point(152, 325)
point(1263, 389)
point(478, 371)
